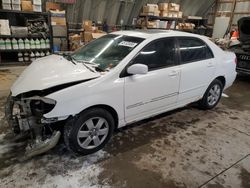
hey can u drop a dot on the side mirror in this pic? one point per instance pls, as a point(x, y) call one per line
point(137, 69)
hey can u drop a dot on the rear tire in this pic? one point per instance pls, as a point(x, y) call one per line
point(212, 95)
point(89, 132)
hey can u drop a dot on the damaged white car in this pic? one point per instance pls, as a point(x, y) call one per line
point(118, 79)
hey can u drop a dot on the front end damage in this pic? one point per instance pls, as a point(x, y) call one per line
point(25, 116)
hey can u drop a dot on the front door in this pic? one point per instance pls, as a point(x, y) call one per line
point(157, 90)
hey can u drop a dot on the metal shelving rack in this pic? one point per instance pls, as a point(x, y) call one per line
point(197, 22)
point(13, 16)
point(149, 18)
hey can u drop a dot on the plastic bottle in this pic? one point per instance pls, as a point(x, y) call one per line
point(2, 44)
point(32, 44)
point(32, 57)
point(14, 44)
point(42, 54)
point(37, 54)
point(27, 44)
point(43, 44)
point(20, 57)
point(20, 44)
point(26, 57)
point(38, 44)
point(8, 44)
point(47, 42)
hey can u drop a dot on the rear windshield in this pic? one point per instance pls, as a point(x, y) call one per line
point(107, 51)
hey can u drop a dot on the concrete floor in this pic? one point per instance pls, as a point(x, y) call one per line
point(180, 149)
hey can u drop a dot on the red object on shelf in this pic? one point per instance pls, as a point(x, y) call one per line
point(235, 35)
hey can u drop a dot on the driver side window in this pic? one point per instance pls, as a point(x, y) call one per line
point(158, 54)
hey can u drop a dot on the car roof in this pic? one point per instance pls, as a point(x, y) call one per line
point(154, 33)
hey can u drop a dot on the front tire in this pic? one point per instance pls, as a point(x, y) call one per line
point(212, 95)
point(89, 132)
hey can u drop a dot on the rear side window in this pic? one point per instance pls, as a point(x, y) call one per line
point(192, 49)
point(158, 54)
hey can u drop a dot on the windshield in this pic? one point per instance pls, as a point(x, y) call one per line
point(107, 51)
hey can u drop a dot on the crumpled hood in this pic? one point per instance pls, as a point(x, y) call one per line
point(244, 29)
point(48, 72)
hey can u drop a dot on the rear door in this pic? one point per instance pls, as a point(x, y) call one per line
point(197, 64)
point(157, 90)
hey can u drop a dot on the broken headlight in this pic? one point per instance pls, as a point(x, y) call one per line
point(41, 106)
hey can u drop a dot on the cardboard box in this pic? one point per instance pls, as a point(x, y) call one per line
point(173, 14)
point(37, 8)
point(26, 6)
point(88, 36)
point(164, 13)
point(152, 24)
point(173, 7)
point(150, 8)
point(6, 6)
point(87, 25)
point(53, 6)
point(16, 7)
point(188, 26)
point(180, 14)
point(58, 21)
point(163, 6)
point(59, 30)
point(157, 13)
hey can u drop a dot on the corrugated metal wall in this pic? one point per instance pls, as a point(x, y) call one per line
point(115, 10)
point(226, 8)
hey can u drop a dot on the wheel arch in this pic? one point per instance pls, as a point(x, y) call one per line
point(222, 79)
point(110, 109)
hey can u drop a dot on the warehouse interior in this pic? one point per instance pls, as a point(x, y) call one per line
point(182, 147)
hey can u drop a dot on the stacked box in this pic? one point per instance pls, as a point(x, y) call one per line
point(26, 5)
point(6, 4)
point(187, 26)
point(170, 10)
point(151, 10)
point(16, 4)
point(163, 6)
point(87, 25)
point(53, 6)
point(58, 17)
point(153, 24)
point(173, 7)
point(37, 5)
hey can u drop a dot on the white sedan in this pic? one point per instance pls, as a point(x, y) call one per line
point(116, 80)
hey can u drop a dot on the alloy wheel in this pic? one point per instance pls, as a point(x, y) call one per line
point(214, 95)
point(92, 133)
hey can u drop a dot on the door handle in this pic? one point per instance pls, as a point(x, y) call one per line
point(173, 73)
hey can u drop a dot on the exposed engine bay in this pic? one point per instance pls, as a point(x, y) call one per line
point(25, 115)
